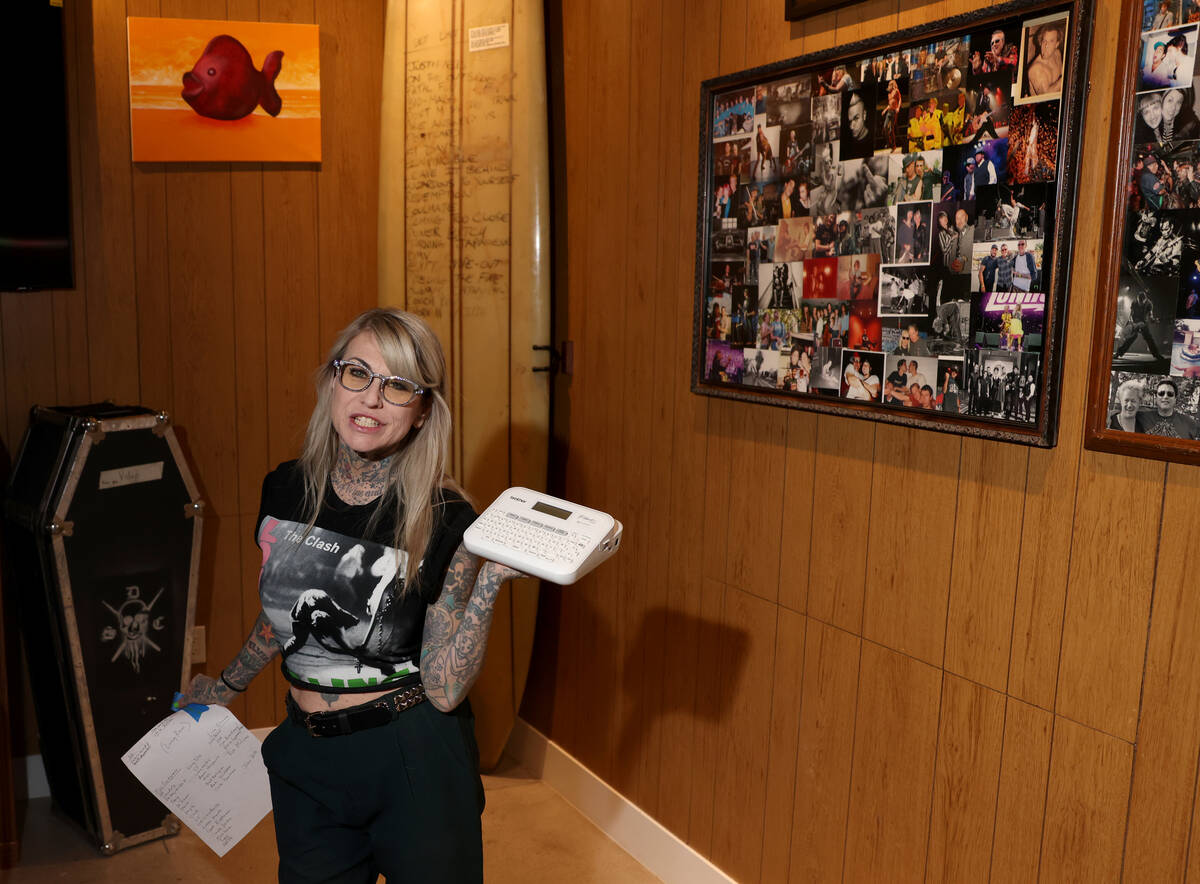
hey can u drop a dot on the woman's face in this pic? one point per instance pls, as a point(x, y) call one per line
point(365, 421)
point(1172, 104)
point(1152, 114)
point(1129, 402)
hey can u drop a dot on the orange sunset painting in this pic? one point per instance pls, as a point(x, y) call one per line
point(224, 91)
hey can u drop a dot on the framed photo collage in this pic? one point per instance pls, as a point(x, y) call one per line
point(1146, 362)
point(884, 229)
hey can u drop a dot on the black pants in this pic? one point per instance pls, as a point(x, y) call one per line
point(402, 800)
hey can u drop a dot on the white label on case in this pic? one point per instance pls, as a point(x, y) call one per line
point(147, 472)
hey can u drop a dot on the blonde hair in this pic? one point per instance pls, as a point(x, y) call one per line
point(418, 469)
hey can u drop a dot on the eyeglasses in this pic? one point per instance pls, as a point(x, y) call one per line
point(356, 377)
point(1170, 393)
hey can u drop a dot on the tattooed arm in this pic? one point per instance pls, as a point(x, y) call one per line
point(456, 628)
point(260, 648)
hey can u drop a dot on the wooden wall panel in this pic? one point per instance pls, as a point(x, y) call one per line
point(895, 742)
point(786, 680)
point(1085, 805)
point(1108, 594)
point(987, 537)
point(840, 508)
point(740, 780)
point(905, 609)
point(1164, 771)
point(965, 781)
point(796, 545)
point(1021, 802)
point(824, 753)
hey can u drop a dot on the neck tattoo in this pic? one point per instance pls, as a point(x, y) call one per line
point(356, 479)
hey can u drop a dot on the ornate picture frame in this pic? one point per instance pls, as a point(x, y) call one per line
point(884, 229)
point(1144, 391)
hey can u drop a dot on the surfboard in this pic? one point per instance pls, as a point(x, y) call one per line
point(464, 242)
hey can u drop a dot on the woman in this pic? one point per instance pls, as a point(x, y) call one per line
point(376, 607)
point(1179, 121)
point(1129, 397)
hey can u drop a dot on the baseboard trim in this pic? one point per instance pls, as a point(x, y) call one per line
point(639, 834)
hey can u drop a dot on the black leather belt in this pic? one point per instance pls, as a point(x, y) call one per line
point(340, 722)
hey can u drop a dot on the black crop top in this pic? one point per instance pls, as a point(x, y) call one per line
point(333, 594)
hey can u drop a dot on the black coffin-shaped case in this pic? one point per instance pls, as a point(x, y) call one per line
point(103, 545)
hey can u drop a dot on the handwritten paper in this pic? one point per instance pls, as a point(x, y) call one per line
point(208, 771)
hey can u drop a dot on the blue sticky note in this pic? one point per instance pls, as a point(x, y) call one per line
point(193, 709)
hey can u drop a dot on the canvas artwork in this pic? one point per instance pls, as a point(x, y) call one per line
point(881, 227)
point(224, 91)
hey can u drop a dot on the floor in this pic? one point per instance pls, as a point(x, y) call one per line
point(530, 834)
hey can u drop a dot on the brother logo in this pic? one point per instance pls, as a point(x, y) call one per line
point(519, 499)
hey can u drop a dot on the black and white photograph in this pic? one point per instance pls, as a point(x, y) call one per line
point(826, 378)
point(789, 102)
point(760, 368)
point(861, 375)
point(827, 118)
point(858, 131)
point(1154, 243)
point(1145, 323)
point(780, 285)
point(1002, 384)
point(1043, 55)
point(1157, 405)
point(902, 291)
point(864, 183)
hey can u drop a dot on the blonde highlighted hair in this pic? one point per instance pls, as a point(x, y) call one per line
point(418, 469)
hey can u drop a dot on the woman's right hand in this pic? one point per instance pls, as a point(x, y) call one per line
point(206, 691)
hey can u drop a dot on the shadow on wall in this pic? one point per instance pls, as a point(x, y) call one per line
point(699, 665)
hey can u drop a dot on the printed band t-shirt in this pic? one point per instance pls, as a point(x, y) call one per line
point(334, 595)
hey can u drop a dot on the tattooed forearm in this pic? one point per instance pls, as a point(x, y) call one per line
point(259, 649)
point(456, 629)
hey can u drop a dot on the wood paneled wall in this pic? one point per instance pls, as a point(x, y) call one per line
point(210, 291)
point(833, 650)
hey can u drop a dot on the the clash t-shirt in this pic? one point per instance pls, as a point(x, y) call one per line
point(335, 596)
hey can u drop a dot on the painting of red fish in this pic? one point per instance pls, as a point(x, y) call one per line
point(204, 90)
point(225, 85)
